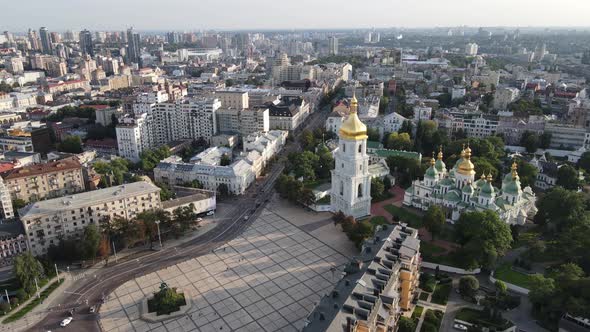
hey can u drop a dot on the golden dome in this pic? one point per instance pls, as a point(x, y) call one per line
point(432, 162)
point(440, 153)
point(466, 167)
point(514, 169)
point(490, 177)
point(353, 128)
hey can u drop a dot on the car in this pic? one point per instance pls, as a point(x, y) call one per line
point(246, 217)
point(66, 321)
point(459, 327)
point(210, 213)
point(92, 309)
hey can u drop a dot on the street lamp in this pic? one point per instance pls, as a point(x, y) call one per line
point(159, 235)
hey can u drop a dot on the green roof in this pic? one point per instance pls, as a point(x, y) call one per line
point(446, 182)
point(440, 165)
point(396, 153)
point(431, 172)
point(374, 145)
point(452, 196)
point(512, 187)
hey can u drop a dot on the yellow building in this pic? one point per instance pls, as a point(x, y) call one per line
point(54, 179)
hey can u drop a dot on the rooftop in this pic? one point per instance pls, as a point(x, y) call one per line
point(51, 167)
point(85, 199)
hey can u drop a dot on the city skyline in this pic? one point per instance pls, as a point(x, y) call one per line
point(257, 15)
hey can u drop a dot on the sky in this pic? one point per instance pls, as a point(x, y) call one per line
point(192, 15)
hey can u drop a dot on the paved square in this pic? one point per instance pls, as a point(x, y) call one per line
point(267, 279)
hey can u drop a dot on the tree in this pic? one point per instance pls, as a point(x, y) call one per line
point(468, 286)
point(483, 236)
point(104, 248)
point(584, 162)
point(373, 134)
point(149, 159)
point(307, 140)
point(527, 173)
point(567, 177)
point(397, 141)
point(530, 141)
point(566, 272)
point(406, 127)
point(165, 192)
point(545, 140)
point(434, 220)
point(377, 188)
point(27, 269)
point(225, 160)
point(70, 144)
point(560, 209)
point(387, 183)
point(501, 288)
point(325, 162)
point(18, 203)
point(406, 324)
point(90, 242)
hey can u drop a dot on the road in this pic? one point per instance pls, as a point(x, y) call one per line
point(90, 290)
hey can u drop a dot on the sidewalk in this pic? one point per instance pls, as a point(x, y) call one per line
point(39, 312)
point(128, 254)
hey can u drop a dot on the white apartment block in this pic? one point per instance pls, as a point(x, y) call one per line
point(133, 136)
point(288, 114)
point(6, 209)
point(235, 99)
point(45, 222)
point(243, 121)
point(392, 122)
point(471, 49)
point(568, 136)
point(505, 96)
point(422, 113)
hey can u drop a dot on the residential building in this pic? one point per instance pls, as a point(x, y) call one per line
point(13, 241)
point(133, 136)
point(471, 49)
point(374, 288)
point(133, 47)
point(243, 121)
point(46, 222)
point(46, 44)
point(53, 179)
point(235, 99)
point(504, 96)
point(20, 144)
point(351, 181)
point(104, 116)
point(288, 114)
point(391, 123)
point(568, 136)
point(6, 207)
point(458, 92)
point(422, 112)
point(333, 45)
point(512, 128)
point(86, 44)
point(456, 191)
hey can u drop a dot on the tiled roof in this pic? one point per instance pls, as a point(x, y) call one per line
point(56, 166)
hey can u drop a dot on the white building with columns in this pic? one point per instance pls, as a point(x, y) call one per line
point(351, 181)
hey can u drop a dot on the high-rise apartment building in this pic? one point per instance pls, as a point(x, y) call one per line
point(471, 49)
point(333, 45)
point(86, 45)
point(133, 47)
point(46, 44)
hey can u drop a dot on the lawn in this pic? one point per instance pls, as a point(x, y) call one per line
point(428, 250)
point(505, 273)
point(424, 296)
point(479, 317)
point(379, 220)
point(404, 215)
point(441, 293)
point(432, 320)
point(450, 259)
point(417, 312)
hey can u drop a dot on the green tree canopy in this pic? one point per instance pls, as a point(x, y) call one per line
point(468, 286)
point(397, 141)
point(27, 269)
point(434, 220)
point(70, 144)
point(567, 177)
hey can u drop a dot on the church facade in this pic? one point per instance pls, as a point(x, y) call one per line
point(456, 191)
point(351, 181)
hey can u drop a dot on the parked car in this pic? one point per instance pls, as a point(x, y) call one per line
point(210, 213)
point(92, 309)
point(66, 321)
point(460, 327)
point(246, 217)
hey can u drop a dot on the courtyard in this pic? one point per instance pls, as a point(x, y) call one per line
point(268, 279)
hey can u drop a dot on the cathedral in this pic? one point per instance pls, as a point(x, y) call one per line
point(351, 181)
point(456, 191)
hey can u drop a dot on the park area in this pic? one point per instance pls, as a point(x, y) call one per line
point(507, 274)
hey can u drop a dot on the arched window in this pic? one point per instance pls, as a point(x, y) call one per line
point(343, 147)
point(360, 148)
point(360, 190)
point(341, 188)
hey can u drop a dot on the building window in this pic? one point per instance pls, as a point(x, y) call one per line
point(341, 188)
point(360, 190)
point(360, 148)
point(343, 147)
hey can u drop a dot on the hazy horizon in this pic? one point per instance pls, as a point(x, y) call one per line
point(151, 15)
